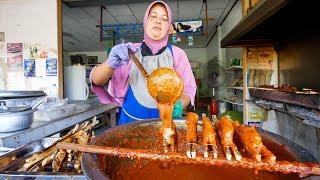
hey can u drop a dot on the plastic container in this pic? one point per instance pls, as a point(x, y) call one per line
point(53, 113)
point(213, 107)
point(81, 108)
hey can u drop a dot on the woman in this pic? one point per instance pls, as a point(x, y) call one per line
point(182, 27)
point(119, 81)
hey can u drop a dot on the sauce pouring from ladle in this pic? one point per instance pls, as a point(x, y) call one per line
point(166, 87)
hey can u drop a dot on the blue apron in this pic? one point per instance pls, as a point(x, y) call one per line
point(132, 110)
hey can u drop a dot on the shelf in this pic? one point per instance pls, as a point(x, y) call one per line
point(272, 22)
point(239, 104)
point(309, 117)
point(232, 68)
point(238, 88)
point(302, 100)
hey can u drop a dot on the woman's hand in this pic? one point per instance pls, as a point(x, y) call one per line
point(119, 54)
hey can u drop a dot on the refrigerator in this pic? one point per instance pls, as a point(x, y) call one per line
point(77, 82)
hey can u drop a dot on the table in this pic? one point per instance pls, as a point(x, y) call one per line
point(41, 129)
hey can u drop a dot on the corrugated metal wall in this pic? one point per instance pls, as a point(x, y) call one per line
point(229, 23)
point(212, 49)
point(232, 19)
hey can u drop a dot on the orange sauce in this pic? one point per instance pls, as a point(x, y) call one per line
point(144, 137)
point(165, 86)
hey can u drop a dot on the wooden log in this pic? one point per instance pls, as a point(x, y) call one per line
point(41, 155)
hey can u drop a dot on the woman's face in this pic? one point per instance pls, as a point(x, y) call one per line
point(157, 23)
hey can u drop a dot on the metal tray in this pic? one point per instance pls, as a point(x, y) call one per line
point(11, 161)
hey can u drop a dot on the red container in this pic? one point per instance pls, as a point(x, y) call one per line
point(214, 107)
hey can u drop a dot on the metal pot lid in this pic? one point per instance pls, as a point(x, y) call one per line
point(20, 94)
point(13, 109)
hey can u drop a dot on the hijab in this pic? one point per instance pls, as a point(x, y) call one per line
point(156, 45)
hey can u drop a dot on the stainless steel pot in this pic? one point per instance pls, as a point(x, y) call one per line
point(20, 94)
point(14, 118)
point(16, 98)
point(15, 110)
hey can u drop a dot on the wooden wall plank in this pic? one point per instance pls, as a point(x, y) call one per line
point(60, 57)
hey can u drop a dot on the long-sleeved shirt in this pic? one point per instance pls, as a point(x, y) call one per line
point(116, 88)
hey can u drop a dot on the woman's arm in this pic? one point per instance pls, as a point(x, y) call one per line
point(101, 74)
point(119, 55)
point(183, 68)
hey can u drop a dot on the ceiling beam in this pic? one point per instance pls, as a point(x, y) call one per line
point(88, 3)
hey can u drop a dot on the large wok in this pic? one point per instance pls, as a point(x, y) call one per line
point(144, 135)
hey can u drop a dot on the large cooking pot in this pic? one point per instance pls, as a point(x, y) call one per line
point(144, 135)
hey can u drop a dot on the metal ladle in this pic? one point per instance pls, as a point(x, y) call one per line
point(164, 84)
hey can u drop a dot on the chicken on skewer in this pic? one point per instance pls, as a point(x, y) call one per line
point(226, 131)
point(208, 137)
point(165, 86)
point(252, 142)
point(192, 121)
point(168, 129)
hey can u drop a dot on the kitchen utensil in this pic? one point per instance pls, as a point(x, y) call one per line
point(18, 98)
point(138, 64)
point(164, 84)
point(177, 157)
point(144, 135)
point(20, 94)
point(15, 118)
point(12, 109)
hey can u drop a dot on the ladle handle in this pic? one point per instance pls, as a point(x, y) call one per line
point(137, 63)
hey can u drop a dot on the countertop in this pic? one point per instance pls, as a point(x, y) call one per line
point(40, 129)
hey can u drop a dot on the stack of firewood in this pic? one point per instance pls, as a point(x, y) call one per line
point(56, 160)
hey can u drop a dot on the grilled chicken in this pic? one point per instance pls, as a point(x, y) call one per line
point(168, 129)
point(191, 121)
point(226, 130)
point(208, 137)
point(165, 86)
point(252, 142)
